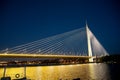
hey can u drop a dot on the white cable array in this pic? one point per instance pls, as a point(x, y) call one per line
point(68, 43)
point(38, 42)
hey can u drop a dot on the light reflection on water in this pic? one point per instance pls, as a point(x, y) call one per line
point(91, 71)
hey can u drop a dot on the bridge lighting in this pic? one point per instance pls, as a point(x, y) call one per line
point(34, 55)
point(79, 42)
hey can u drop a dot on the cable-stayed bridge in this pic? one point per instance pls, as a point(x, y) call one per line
point(79, 43)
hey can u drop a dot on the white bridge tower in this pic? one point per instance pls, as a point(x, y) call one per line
point(89, 43)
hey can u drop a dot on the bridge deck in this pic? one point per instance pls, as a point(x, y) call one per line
point(39, 56)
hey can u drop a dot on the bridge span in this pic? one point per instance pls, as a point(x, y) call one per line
point(80, 44)
point(41, 56)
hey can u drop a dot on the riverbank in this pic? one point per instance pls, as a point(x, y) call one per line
point(48, 65)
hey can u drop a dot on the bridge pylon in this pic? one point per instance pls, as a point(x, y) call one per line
point(89, 43)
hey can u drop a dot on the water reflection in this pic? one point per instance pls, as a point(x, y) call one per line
point(62, 72)
point(99, 72)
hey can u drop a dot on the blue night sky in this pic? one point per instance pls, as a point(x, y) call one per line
point(24, 21)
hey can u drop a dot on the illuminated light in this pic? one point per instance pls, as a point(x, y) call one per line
point(70, 65)
point(34, 55)
point(78, 65)
point(91, 59)
point(5, 53)
point(61, 65)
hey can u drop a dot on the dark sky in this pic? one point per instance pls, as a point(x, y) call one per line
point(23, 21)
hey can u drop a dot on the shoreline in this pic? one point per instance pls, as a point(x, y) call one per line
point(9, 66)
point(39, 65)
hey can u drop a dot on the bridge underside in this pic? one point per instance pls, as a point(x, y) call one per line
point(38, 59)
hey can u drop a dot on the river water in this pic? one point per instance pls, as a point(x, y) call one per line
point(92, 71)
